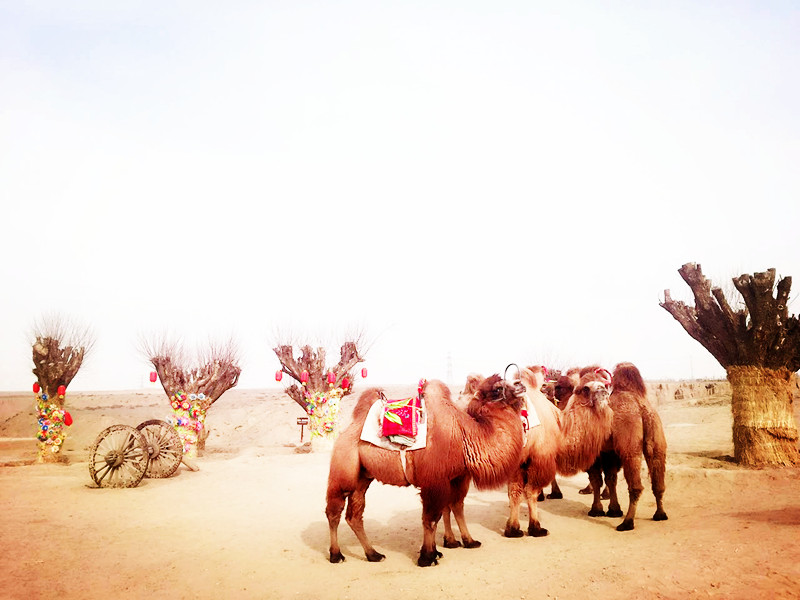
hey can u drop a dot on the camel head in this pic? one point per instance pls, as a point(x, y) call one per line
point(591, 392)
point(468, 393)
point(495, 389)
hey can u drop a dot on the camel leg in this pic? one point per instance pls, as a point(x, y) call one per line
point(333, 510)
point(555, 491)
point(596, 481)
point(632, 468)
point(515, 491)
point(434, 500)
point(535, 528)
point(611, 467)
point(656, 466)
point(355, 518)
point(450, 540)
point(458, 490)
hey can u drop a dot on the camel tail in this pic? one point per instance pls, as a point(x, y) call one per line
point(654, 448)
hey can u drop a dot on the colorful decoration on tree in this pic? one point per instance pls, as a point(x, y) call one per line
point(188, 418)
point(364, 372)
point(323, 412)
point(51, 419)
point(36, 387)
point(331, 377)
point(278, 375)
point(153, 376)
point(304, 377)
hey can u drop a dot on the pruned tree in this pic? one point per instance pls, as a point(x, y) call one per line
point(193, 386)
point(60, 346)
point(318, 388)
point(758, 344)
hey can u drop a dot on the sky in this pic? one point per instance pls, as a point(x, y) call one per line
point(468, 184)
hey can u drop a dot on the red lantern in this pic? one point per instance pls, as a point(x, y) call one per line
point(304, 377)
point(36, 388)
point(345, 383)
point(67, 419)
point(153, 376)
point(364, 372)
point(278, 375)
point(62, 390)
point(331, 377)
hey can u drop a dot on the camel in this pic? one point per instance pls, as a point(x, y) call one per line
point(563, 442)
point(636, 431)
point(483, 447)
point(562, 392)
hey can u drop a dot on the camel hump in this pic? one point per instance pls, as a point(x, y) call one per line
point(532, 377)
point(435, 391)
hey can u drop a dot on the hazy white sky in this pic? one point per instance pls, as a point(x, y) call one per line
point(474, 183)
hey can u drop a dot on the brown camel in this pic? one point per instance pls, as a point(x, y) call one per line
point(483, 446)
point(565, 442)
point(637, 431)
point(571, 446)
point(562, 392)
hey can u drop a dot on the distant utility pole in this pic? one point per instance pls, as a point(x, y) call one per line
point(449, 369)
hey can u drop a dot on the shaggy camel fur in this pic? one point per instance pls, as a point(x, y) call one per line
point(483, 447)
point(637, 431)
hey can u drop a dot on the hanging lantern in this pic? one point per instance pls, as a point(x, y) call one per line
point(304, 377)
point(36, 388)
point(67, 419)
point(364, 372)
point(331, 377)
point(278, 375)
point(345, 383)
point(153, 376)
point(62, 390)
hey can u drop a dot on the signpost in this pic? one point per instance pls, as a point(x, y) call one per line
point(302, 421)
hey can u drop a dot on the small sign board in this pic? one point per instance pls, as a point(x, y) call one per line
point(302, 420)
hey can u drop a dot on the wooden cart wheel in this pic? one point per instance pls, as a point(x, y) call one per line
point(118, 458)
point(164, 446)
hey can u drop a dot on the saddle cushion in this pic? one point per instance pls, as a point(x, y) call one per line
point(401, 417)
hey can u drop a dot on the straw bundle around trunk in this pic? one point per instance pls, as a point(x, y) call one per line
point(764, 430)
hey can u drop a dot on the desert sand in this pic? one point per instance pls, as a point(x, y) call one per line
point(251, 524)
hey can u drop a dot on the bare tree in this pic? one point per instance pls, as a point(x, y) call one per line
point(59, 348)
point(318, 388)
point(193, 386)
point(758, 344)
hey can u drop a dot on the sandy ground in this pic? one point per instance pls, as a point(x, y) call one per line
point(250, 523)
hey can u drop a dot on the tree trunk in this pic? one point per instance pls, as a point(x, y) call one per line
point(759, 347)
point(764, 430)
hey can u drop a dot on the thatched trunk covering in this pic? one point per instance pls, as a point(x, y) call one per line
point(764, 431)
point(759, 346)
point(59, 348)
point(319, 389)
point(192, 390)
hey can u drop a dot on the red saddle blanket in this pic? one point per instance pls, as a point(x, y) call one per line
point(401, 417)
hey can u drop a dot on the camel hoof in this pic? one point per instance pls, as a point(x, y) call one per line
point(537, 531)
point(587, 490)
point(472, 544)
point(625, 526)
point(614, 512)
point(660, 516)
point(451, 543)
point(337, 557)
point(555, 496)
point(513, 532)
point(426, 560)
point(375, 556)
point(597, 512)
